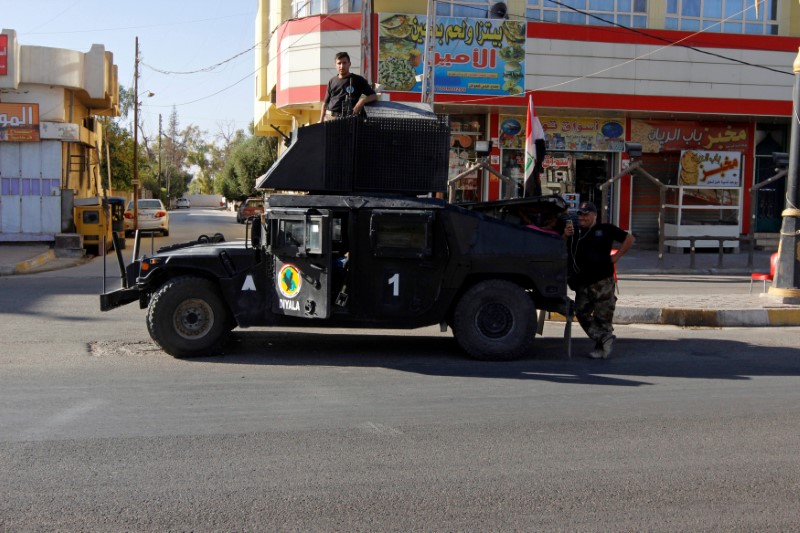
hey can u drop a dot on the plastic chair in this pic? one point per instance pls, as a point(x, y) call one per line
point(763, 276)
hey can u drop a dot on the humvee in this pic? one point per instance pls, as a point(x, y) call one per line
point(367, 245)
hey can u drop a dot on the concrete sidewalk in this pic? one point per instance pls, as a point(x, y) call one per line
point(692, 305)
point(29, 258)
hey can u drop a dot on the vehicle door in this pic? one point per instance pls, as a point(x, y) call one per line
point(299, 241)
point(403, 267)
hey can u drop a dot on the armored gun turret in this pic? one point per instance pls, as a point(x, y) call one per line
point(393, 148)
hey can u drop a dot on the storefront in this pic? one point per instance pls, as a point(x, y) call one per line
point(485, 71)
point(703, 165)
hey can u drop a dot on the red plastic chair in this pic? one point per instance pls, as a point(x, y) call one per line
point(763, 276)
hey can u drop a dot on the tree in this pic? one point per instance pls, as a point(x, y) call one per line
point(249, 157)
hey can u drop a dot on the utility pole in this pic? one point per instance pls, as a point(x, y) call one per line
point(136, 138)
point(786, 284)
point(366, 41)
point(159, 157)
point(430, 59)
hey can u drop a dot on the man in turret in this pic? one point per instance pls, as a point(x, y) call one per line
point(347, 93)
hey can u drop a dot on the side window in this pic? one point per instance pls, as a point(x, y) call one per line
point(406, 234)
point(300, 235)
point(290, 233)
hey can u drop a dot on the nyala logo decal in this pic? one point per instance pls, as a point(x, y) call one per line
point(289, 281)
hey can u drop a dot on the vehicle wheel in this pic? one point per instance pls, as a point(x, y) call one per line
point(165, 233)
point(495, 321)
point(187, 317)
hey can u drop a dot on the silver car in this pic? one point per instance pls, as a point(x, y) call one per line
point(153, 216)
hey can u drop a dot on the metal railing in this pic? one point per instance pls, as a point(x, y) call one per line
point(721, 242)
point(511, 184)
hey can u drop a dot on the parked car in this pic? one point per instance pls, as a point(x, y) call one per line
point(182, 202)
point(249, 208)
point(153, 216)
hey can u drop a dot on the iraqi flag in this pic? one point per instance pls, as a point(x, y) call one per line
point(534, 152)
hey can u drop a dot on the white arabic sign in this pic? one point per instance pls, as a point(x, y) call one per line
point(701, 168)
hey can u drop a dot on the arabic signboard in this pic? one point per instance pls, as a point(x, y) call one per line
point(584, 134)
point(472, 56)
point(703, 168)
point(567, 133)
point(3, 54)
point(19, 122)
point(672, 136)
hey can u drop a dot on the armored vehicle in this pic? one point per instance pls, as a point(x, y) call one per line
point(366, 246)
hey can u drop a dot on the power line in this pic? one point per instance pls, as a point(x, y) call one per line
point(204, 69)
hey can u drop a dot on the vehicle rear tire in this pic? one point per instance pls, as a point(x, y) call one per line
point(495, 320)
point(187, 317)
point(165, 233)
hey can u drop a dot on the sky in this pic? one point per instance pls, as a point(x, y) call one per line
point(175, 36)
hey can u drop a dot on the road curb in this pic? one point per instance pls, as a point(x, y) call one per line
point(703, 318)
point(29, 264)
point(711, 318)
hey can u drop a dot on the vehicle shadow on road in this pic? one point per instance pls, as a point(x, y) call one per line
point(634, 360)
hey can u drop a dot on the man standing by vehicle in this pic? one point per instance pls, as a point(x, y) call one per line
point(591, 275)
point(345, 90)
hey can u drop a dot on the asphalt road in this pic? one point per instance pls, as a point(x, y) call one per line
point(319, 430)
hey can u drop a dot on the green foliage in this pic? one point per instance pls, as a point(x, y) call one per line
point(185, 157)
point(248, 159)
point(120, 151)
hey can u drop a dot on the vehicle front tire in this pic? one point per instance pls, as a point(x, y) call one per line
point(187, 317)
point(495, 320)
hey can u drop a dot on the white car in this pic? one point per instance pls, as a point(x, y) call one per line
point(153, 216)
point(182, 202)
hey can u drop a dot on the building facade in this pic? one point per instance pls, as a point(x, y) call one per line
point(705, 87)
point(50, 136)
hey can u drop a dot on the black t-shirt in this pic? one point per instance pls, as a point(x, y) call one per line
point(343, 93)
point(590, 253)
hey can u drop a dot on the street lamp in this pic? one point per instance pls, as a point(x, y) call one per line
point(787, 275)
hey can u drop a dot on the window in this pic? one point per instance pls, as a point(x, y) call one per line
point(290, 233)
point(305, 8)
point(724, 16)
point(629, 13)
point(476, 9)
point(407, 234)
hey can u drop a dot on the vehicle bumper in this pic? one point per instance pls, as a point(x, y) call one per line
point(148, 225)
point(112, 300)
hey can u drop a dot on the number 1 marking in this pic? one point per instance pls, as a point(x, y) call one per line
point(395, 282)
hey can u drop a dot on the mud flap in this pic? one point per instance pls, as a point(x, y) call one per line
point(540, 322)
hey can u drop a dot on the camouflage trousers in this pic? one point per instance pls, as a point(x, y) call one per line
point(594, 308)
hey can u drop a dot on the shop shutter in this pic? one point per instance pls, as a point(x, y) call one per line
point(644, 212)
point(30, 190)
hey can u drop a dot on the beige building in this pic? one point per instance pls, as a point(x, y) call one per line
point(50, 136)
